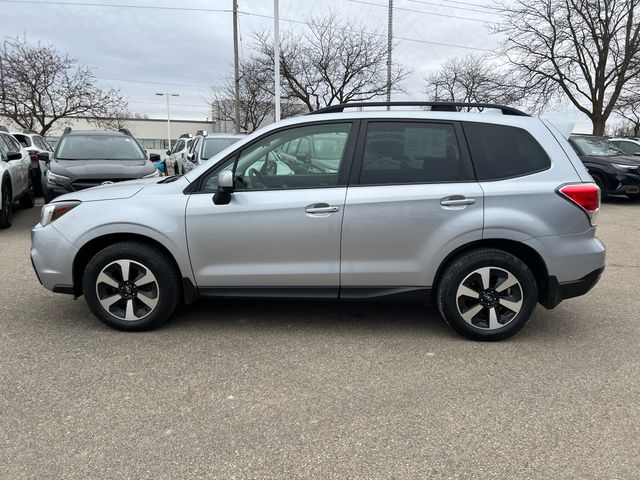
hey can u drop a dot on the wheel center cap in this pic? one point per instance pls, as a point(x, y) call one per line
point(128, 290)
point(488, 298)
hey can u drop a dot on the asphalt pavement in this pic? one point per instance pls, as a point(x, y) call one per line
point(308, 390)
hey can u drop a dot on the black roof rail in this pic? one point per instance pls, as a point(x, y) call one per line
point(66, 130)
point(126, 131)
point(435, 106)
point(30, 131)
point(204, 133)
point(186, 135)
point(4, 129)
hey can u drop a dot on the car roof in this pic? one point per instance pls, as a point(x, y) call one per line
point(95, 132)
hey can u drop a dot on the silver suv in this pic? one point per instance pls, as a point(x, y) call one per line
point(484, 214)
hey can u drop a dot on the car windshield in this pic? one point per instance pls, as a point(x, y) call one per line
point(597, 147)
point(93, 147)
point(213, 146)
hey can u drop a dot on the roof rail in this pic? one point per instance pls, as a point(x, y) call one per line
point(186, 135)
point(4, 129)
point(204, 133)
point(30, 131)
point(126, 131)
point(435, 106)
point(66, 130)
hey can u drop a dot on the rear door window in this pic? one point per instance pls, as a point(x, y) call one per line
point(410, 152)
point(24, 140)
point(501, 151)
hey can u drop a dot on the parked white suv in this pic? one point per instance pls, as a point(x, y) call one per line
point(178, 153)
point(34, 143)
point(15, 181)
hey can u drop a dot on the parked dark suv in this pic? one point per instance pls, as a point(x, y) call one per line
point(86, 159)
point(613, 171)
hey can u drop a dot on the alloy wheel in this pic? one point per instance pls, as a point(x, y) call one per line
point(127, 289)
point(489, 298)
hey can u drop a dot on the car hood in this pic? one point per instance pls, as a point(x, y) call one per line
point(102, 168)
point(621, 159)
point(113, 191)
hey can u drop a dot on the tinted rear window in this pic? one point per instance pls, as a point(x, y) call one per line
point(399, 152)
point(500, 151)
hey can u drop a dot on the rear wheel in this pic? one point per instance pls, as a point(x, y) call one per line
point(6, 213)
point(131, 286)
point(487, 294)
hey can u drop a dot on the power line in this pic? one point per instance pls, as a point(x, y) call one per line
point(464, 3)
point(289, 20)
point(152, 83)
point(484, 12)
point(422, 11)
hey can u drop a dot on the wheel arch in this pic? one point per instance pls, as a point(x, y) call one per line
point(527, 254)
point(93, 246)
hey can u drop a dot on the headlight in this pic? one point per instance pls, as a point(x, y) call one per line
point(54, 211)
point(55, 179)
point(156, 173)
point(624, 168)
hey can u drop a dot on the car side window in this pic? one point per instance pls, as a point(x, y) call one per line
point(178, 146)
point(629, 148)
point(14, 145)
point(24, 140)
point(501, 151)
point(265, 165)
point(4, 148)
point(40, 143)
point(410, 152)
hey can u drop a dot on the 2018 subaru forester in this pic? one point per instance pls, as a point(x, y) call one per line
point(485, 214)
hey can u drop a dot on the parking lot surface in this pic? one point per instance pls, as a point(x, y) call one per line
point(258, 389)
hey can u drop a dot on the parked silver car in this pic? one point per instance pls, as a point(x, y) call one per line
point(486, 215)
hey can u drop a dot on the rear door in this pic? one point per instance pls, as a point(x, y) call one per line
point(412, 199)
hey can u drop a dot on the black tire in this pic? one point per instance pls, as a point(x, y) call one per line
point(28, 198)
point(6, 212)
point(462, 271)
point(604, 196)
point(36, 181)
point(166, 293)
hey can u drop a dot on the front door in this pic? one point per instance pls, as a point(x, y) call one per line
point(280, 233)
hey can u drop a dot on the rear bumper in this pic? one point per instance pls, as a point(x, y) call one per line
point(558, 292)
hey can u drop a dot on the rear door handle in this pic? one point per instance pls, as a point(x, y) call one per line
point(457, 201)
point(321, 208)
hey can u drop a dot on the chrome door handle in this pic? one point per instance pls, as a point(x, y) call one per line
point(453, 202)
point(321, 208)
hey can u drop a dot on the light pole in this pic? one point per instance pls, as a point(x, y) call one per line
point(167, 95)
point(276, 56)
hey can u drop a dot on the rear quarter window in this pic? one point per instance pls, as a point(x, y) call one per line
point(501, 151)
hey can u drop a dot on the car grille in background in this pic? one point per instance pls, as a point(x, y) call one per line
point(94, 182)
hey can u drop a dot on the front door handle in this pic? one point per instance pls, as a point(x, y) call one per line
point(457, 201)
point(321, 208)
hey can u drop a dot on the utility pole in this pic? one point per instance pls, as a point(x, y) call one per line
point(2, 60)
point(167, 95)
point(236, 65)
point(276, 55)
point(389, 50)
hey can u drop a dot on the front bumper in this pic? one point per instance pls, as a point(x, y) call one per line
point(52, 258)
point(626, 184)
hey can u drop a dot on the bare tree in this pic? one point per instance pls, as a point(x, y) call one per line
point(628, 107)
point(330, 62)
point(42, 87)
point(584, 50)
point(471, 78)
point(256, 97)
point(115, 121)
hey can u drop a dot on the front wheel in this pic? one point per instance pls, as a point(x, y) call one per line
point(604, 196)
point(131, 286)
point(487, 294)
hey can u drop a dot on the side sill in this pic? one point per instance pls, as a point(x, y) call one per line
point(66, 289)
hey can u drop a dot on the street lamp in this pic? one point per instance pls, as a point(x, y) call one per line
point(165, 94)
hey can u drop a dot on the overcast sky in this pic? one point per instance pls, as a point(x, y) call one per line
point(142, 51)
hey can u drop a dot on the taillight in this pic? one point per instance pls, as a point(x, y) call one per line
point(584, 195)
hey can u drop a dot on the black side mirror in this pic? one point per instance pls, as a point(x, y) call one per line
point(43, 156)
point(154, 157)
point(225, 188)
point(13, 156)
point(168, 152)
